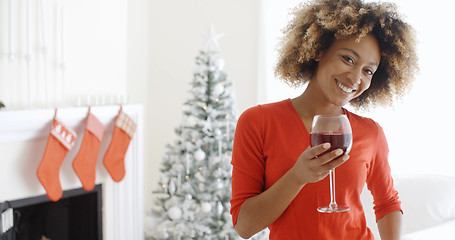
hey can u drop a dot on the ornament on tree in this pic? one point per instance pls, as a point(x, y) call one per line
point(219, 208)
point(206, 207)
point(174, 213)
point(219, 184)
point(217, 133)
point(199, 155)
point(171, 187)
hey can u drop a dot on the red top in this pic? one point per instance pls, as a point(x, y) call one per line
point(268, 140)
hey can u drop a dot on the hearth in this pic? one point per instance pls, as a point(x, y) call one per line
point(77, 215)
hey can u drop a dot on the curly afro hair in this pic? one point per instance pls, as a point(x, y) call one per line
point(317, 24)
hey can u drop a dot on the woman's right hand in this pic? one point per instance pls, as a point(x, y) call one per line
point(315, 163)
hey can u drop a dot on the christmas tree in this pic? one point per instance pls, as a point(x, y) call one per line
point(195, 188)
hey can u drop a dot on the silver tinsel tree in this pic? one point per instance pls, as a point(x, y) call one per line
point(192, 200)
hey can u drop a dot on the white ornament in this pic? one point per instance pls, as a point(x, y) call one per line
point(219, 184)
point(188, 196)
point(172, 187)
point(206, 207)
point(199, 155)
point(218, 89)
point(220, 208)
point(175, 213)
point(217, 132)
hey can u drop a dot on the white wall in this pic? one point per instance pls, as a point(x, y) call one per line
point(274, 17)
point(87, 37)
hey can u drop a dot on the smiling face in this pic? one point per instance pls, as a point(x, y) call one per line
point(346, 68)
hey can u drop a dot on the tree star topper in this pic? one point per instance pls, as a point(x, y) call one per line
point(212, 39)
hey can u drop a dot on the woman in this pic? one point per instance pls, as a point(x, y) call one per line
point(347, 52)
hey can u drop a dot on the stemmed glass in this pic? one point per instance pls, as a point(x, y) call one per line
point(336, 130)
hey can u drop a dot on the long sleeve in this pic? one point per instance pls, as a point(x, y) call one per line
point(247, 160)
point(380, 181)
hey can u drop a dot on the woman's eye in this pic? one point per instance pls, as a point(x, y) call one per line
point(348, 59)
point(369, 72)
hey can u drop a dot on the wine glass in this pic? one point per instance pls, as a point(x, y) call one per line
point(336, 130)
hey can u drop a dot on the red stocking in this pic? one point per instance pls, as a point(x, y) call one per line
point(114, 159)
point(60, 141)
point(84, 164)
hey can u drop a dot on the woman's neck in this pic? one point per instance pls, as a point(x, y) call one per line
point(312, 102)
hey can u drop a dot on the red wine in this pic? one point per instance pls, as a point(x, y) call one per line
point(336, 140)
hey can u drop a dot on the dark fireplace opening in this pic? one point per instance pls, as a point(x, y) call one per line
point(76, 216)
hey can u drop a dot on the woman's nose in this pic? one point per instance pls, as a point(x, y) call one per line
point(355, 76)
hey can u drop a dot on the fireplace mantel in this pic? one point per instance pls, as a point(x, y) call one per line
point(23, 136)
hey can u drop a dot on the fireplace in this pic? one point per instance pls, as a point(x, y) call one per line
point(77, 215)
point(23, 137)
